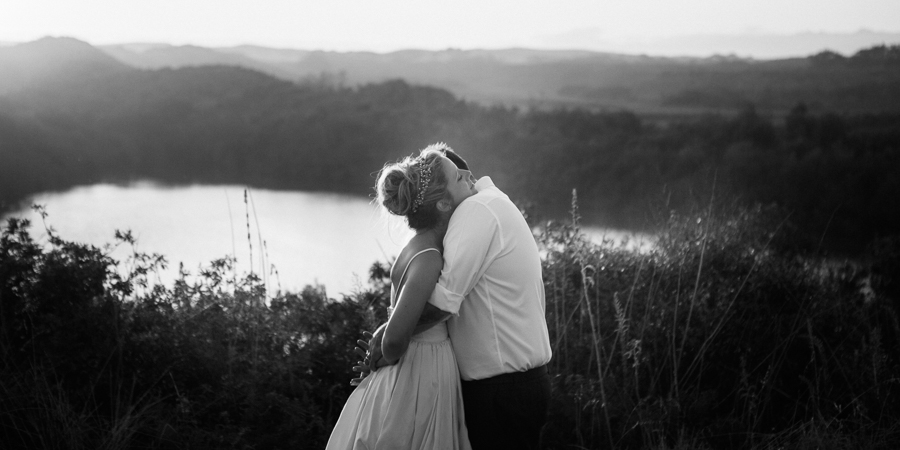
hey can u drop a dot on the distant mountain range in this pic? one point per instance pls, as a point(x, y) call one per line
point(650, 86)
point(660, 86)
point(756, 45)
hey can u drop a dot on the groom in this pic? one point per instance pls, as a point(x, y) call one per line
point(492, 290)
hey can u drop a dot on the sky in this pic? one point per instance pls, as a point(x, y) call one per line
point(625, 26)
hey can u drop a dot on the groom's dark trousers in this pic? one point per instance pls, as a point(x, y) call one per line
point(507, 411)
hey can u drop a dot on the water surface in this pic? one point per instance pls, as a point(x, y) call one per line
point(308, 238)
point(295, 238)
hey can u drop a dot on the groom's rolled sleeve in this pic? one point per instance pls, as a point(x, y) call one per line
point(467, 246)
point(446, 300)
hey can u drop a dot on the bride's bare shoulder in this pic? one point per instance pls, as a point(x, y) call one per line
point(415, 245)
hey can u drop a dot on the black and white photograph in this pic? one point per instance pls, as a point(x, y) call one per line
point(468, 225)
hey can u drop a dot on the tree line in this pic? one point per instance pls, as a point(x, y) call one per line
point(830, 172)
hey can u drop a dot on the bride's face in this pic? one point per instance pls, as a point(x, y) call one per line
point(458, 185)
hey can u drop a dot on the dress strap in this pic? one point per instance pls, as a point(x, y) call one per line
point(396, 290)
point(400, 281)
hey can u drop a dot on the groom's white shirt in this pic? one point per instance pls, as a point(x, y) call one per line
point(491, 282)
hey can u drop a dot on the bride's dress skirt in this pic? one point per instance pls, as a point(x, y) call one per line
point(414, 404)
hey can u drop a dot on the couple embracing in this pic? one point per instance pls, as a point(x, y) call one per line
point(461, 362)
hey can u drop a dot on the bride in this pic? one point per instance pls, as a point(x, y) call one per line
point(415, 402)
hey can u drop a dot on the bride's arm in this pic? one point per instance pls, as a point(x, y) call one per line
point(421, 278)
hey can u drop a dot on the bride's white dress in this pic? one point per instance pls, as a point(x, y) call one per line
point(414, 404)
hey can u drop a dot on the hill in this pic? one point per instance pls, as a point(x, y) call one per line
point(167, 56)
point(52, 61)
point(652, 86)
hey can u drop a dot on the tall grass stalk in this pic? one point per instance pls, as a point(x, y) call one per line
point(263, 252)
point(703, 242)
point(233, 242)
point(249, 235)
point(586, 282)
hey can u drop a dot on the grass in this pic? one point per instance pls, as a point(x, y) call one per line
point(722, 336)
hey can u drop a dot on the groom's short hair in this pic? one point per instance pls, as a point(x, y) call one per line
point(458, 160)
point(451, 155)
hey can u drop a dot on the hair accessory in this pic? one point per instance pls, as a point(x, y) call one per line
point(424, 181)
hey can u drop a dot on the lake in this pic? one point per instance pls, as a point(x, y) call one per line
point(308, 238)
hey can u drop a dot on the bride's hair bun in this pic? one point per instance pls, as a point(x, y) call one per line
point(397, 189)
point(412, 187)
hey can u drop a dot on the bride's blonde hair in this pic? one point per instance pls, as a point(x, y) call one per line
point(412, 187)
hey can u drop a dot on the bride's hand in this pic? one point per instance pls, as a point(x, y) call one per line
point(374, 346)
point(370, 351)
point(374, 358)
point(362, 366)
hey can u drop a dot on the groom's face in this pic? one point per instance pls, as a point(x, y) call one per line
point(467, 174)
point(458, 182)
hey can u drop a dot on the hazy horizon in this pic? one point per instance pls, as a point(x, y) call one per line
point(758, 29)
point(754, 46)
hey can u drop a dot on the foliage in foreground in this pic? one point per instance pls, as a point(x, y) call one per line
point(723, 336)
point(95, 357)
point(720, 336)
